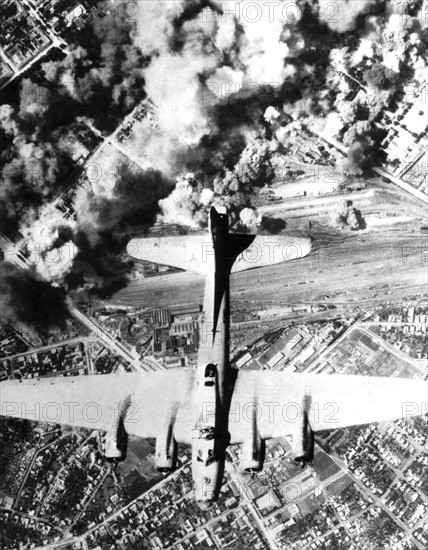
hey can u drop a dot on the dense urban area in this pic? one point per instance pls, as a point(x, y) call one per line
point(110, 131)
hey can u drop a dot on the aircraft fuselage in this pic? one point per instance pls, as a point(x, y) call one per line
point(214, 377)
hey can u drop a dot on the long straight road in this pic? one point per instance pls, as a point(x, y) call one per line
point(60, 344)
point(128, 354)
point(109, 341)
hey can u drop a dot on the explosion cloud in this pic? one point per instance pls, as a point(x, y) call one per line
point(50, 244)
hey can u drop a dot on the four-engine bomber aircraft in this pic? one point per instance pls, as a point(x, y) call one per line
point(214, 405)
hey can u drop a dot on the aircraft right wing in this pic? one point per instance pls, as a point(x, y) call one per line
point(277, 401)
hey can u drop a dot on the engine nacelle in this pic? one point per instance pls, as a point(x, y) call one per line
point(115, 442)
point(303, 441)
point(252, 455)
point(166, 451)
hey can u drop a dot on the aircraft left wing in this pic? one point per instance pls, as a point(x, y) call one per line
point(276, 402)
point(146, 402)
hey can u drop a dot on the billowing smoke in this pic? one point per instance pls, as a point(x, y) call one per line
point(26, 298)
point(90, 250)
point(226, 74)
point(45, 129)
point(233, 82)
point(271, 226)
point(232, 187)
point(131, 202)
point(34, 161)
point(346, 215)
point(203, 55)
point(390, 32)
point(248, 217)
point(50, 244)
point(106, 80)
point(184, 205)
point(342, 16)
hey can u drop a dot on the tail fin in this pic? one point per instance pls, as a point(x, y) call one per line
point(239, 252)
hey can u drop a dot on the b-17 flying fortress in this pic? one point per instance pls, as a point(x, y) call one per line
point(213, 283)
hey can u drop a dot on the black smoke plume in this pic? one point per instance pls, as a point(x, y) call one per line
point(25, 298)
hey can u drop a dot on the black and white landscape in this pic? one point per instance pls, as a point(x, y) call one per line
point(148, 150)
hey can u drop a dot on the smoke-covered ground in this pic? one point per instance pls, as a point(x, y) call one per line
point(27, 298)
point(231, 80)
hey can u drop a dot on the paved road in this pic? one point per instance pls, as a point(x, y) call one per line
point(11, 252)
point(60, 344)
point(235, 476)
point(32, 517)
point(128, 354)
point(29, 468)
point(382, 172)
point(377, 500)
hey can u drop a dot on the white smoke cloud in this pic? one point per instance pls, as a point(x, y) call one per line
point(7, 120)
point(225, 82)
point(172, 81)
point(340, 16)
point(179, 207)
point(271, 114)
point(262, 49)
point(332, 125)
point(154, 25)
point(226, 33)
point(239, 47)
point(365, 48)
point(207, 196)
point(102, 173)
point(248, 217)
point(49, 242)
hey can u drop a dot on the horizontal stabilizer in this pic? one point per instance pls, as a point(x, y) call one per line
point(196, 252)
